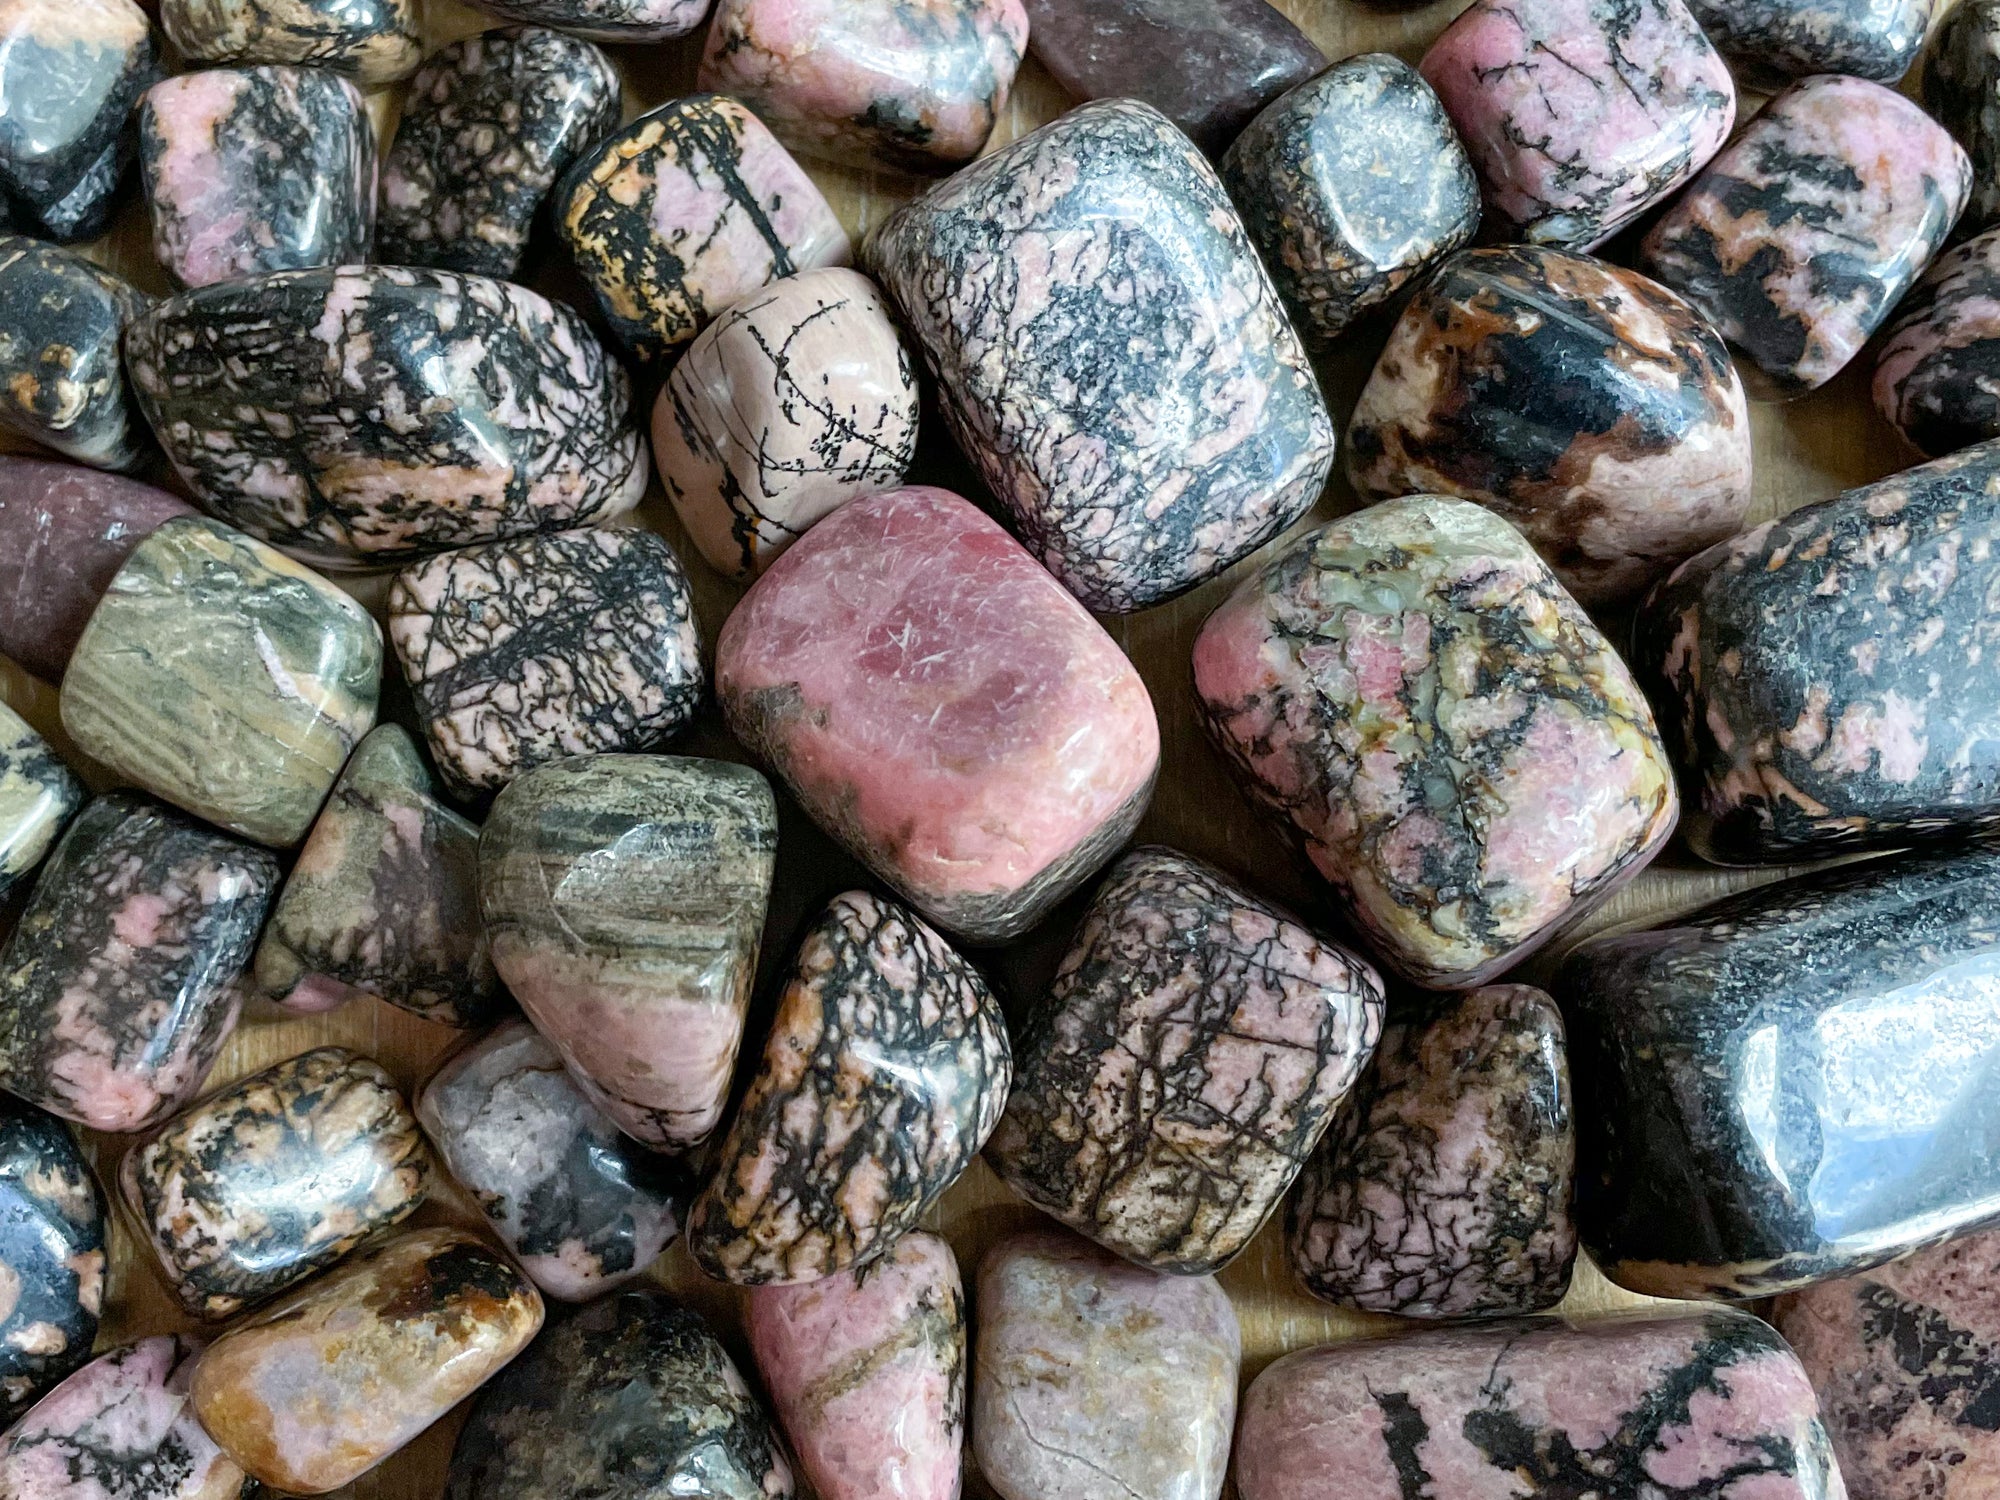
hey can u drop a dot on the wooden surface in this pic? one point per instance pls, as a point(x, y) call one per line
point(1806, 450)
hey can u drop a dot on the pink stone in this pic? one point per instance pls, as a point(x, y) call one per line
point(939, 704)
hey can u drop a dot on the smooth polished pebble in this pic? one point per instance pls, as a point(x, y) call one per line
point(53, 1228)
point(624, 21)
point(371, 41)
point(38, 797)
point(61, 382)
point(1937, 369)
point(1961, 89)
point(1876, 39)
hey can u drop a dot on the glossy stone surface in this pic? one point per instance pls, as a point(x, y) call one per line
point(1876, 39)
point(1351, 186)
point(1937, 372)
point(795, 400)
point(867, 1372)
point(688, 209)
point(520, 653)
point(250, 170)
point(629, 21)
point(1962, 90)
point(52, 1248)
point(371, 41)
point(1248, 1031)
point(1098, 1380)
point(489, 125)
point(221, 675)
point(38, 797)
point(61, 383)
point(1701, 1403)
point(1824, 676)
point(1591, 407)
point(886, 1068)
point(632, 1398)
point(273, 399)
point(1111, 354)
point(120, 984)
point(1354, 681)
point(942, 708)
point(1443, 1190)
point(582, 1206)
point(327, 1382)
point(624, 897)
point(1798, 239)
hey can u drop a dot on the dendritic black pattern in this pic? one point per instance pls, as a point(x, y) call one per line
point(372, 41)
point(38, 797)
point(1961, 88)
point(1937, 373)
point(52, 1253)
point(61, 318)
point(1866, 38)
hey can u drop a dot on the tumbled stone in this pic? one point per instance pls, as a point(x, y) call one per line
point(1798, 239)
point(1351, 186)
point(1962, 89)
point(687, 209)
point(1443, 1191)
point(221, 675)
point(1825, 677)
point(1098, 1380)
point(795, 400)
point(624, 897)
point(490, 123)
point(1789, 1085)
point(886, 1068)
point(38, 797)
point(1937, 372)
point(632, 1398)
point(1111, 354)
point(1249, 1030)
point(327, 1382)
point(52, 1239)
point(383, 899)
point(1580, 114)
point(1594, 409)
point(120, 984)
point(87, 210)
point(61, 382)
point(260, 169)
point(870, 82)
point(371, 41)
point(365, 416)
point(1707, 1402)
point(274, 1178)
point(633, 21)
point(1357, 680)
point(582, 1206)
point(1876, 39)
point(520, 653)
point(942, 708)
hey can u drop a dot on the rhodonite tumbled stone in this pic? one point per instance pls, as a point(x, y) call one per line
point(1351, 186)
point(371, 41)
point(1111, 353)
point(940, 706)
point(38, 797)
point(1699, 1403)
point(1937, 373)
point(1868, 38)
point(1357, 679)
point(488, 126)
point(798, 398)
point(632, 21)
point(364, 416)
point(624, 897)
point(120, 985)
point(1444, 1189)
point(1798, 239)
point(1591, 407)
point(1962, 89)
point(52, 1242)
point(61, 382)
point(581, 1205)
point(686, 210)
point(1824, 677)
point(886, 1068)
point(1250, 1029)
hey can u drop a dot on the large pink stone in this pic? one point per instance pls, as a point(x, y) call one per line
point(941, 706)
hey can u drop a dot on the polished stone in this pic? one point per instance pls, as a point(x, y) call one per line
point(120, 985)
point(1591, 407)
point(939, 705)
point(795, 400)
point(224, 677)
point(624, 897)
point(364, 416)
point(886, 1068)
point(1962, 89)
point(1248, 1029)
point(38, 797)
point(52, 1255)
point(626, 21)
point(87, 211)
point(1876, 39)
point(61, 382)
point(1357, 681)
point(1111, 354)
point(371, 41)
point(1937, 371)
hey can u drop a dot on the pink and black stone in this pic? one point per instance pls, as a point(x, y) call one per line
point(1789, 1085)
point(885, 1070)
point(1800, 237)
point(1250, 1029)
point(1962, 90)
point(1937, 372)
point(1443, 1191)
point(271, 397)
point(1111, 353)
point(1591, 407)
point(62, 383)
point(1706, 1403)
point(38, 797)
point(371, 41)
point(1824, 677)
point(52, 1249)
point(489, 125)
point(623, 21)
point(120, 984)
point(1876, 39)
